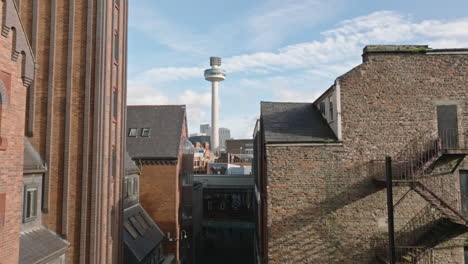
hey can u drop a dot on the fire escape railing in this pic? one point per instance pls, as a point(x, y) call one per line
point(412, 167)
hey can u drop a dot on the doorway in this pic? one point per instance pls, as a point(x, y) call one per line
point(447, 126)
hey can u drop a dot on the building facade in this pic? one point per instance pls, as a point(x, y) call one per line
point(156, 138)
point(320, 170)
point(143, 239)
point(73, 116)
point(16, 74)
point(224, 134)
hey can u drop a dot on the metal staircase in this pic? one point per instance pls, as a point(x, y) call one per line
point(442, 218)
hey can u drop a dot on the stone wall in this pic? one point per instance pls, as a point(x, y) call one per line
point(322, 205)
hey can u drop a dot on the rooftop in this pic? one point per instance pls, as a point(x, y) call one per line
point(141, 234)
point(409, 49)
point(39, 245)
point(32, 160)
point(165, 123)
point(294, 122)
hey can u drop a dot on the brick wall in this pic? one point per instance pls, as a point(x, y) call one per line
point(159, 195)
point(322, 204)
point(11, 153)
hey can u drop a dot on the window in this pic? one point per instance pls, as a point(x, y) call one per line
point(132, 132)
point(330, 99)
point(142, 221)
point(141, 230)
point(322, 107)
point(116, 46)
point(30, 204)
point(465, 249)
point(135, 186)
point(145, 132)
point(131, 186)
point(126, 187)
point(130, 230)
point(114, 163)
point(115, 103)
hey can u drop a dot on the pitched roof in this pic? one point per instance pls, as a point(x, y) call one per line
point(32, 160)
point(145, 239)
point(40, 245)
point(130, 166)
point(165, 123)
point(294, 122)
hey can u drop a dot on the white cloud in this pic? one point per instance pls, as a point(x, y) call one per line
point(276, 19)
point(286, 74)
point(145, 95)
point(167, 74)
point(241, 126)
point(348, 39)
point(287, 95)
point(194, 99)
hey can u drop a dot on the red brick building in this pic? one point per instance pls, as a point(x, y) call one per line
point(16, 74)
point(155, 140)
point(319, 165)
point(73, 113)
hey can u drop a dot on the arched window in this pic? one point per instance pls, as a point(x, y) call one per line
point(3, 102)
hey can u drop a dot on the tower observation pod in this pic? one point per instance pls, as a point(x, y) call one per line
point(214, 75)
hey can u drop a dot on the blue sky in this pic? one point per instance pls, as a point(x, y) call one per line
point(272, 50)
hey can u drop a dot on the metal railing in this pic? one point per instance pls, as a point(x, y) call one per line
point(409, 254)
point(449, 138)
point(412, 165)
point(417, 159)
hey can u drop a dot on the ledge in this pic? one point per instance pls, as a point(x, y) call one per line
point(395, 48)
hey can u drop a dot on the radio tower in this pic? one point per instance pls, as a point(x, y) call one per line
point(214, 75)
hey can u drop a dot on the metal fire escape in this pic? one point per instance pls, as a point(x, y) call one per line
point(444, 217)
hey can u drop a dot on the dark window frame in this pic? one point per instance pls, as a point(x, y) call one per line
point(28, 215)
point(131, 230)
point(130, 130)
point(145, 132)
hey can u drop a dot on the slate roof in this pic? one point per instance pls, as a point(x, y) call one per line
point(130, 166)
point(39, 245)
point(148, 239)
point(32, 160)
point(165, 123)
point(294, 122)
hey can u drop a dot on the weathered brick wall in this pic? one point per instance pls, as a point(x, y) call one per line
point(322, 204)
point(11, 150)
point(159, 195)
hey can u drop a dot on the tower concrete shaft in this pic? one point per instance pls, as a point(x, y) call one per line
point(214, 116)
point(214, 75)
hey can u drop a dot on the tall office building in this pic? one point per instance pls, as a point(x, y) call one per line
point(74, 120)
point(224, 134)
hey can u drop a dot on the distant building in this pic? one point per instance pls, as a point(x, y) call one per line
point(201, 158)
point(202, 139)
point(205, 129)
point(224, 134)
point(239, 146)
point(156, 139)
point(224, 220)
